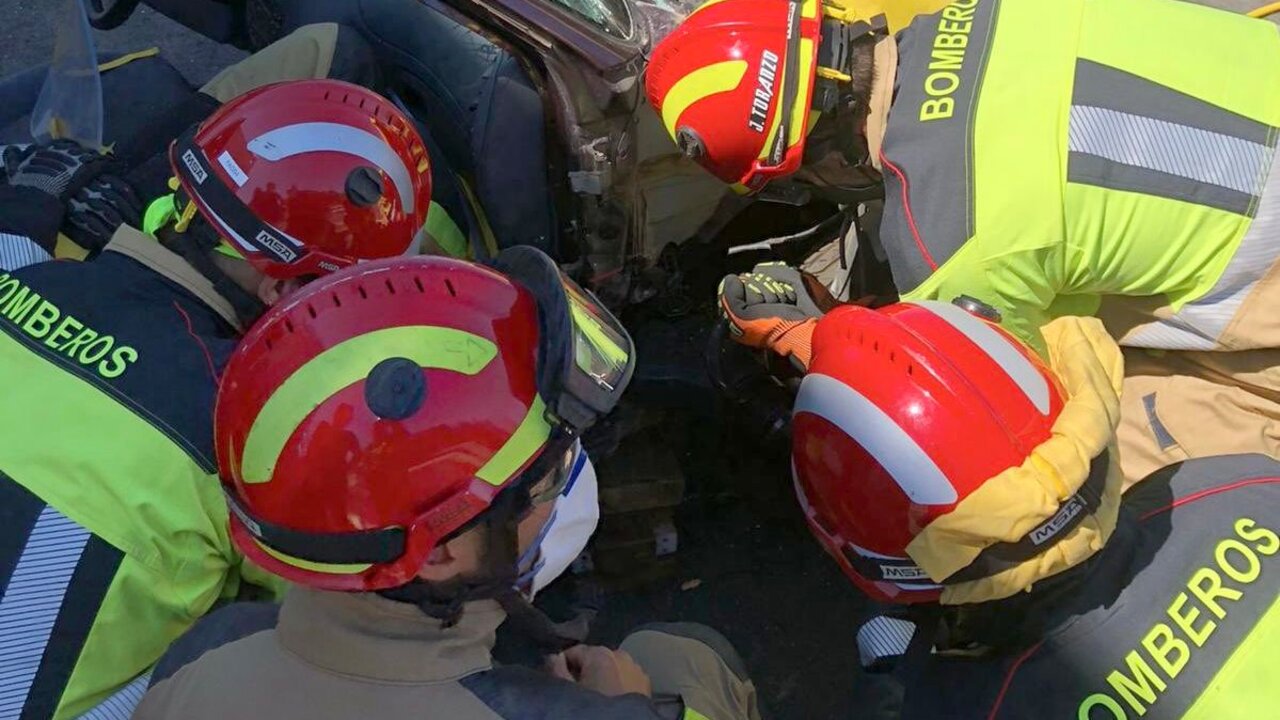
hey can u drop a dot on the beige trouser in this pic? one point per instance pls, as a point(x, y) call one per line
point(1181, 405)
point(304, 54)
point(697, 664)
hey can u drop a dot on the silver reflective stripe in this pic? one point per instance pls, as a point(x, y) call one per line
point(859, 418)
point(999, 348)
point(18, 251)
point(301, 138)
point(883, 637)
point(1198, 155)
point(1199, 324)
point(32, 601)
point(121, 705)
point(1103, 86)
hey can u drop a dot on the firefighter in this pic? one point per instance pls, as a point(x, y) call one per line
point(114, 537)
point(390, 442)
point(952, 473)
point(1042, 158)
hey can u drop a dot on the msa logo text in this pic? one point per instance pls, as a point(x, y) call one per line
point(277, 246)
point(1065, 514)
point(189, 159)
point(899, 572)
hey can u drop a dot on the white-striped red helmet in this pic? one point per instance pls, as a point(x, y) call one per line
point(307, 177)
point(904, 413)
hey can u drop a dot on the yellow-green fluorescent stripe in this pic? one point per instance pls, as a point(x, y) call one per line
point(1245, 685)
point(330, 568)
point(343, 364)
point(444, 232)
point(592, 329)
point(700, 84)
point(523, 444)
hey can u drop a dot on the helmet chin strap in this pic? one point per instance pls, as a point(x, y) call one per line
point(193, 244)
point(445, 600)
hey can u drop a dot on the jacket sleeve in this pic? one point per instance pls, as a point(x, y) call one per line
point(29, 221)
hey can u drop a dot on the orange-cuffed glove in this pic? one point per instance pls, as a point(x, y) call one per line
point(774, 308)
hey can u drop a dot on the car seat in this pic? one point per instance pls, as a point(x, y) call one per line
point(484, 112)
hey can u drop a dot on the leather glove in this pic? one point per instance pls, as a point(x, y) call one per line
point(59, 169)
point(775, 307)
point(98, 209)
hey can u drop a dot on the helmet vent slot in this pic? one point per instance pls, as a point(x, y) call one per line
point(337, 302)
point(391, 287)
point(449, 285)
point(418, 284)
point(311, 311)
point(363, 295)
point(288, 325)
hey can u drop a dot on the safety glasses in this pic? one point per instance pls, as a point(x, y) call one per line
point(586, 358)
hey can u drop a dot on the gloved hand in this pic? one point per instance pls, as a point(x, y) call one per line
point(774, 307)
point(102, 206)
point(59, 169)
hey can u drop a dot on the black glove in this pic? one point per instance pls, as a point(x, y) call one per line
point(59, 169)
point(102, 206)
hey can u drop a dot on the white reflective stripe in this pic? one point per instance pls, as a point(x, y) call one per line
point(121, 705)
point(18, 251)
point(998, 347)
point(228, 233)
point(1199, 324)
point(31, 602)
point(301, 138)
point(886, 442)
point(1200, 155)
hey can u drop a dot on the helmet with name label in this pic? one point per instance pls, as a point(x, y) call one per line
point(307, 177)
point(735, 83)
point(910, 419)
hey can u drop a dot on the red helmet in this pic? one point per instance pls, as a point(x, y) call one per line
point(304, 178)
point(733, 84)
point(376, 411)
point(903, 414)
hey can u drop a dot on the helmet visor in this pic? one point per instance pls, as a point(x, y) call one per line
point(601, 348)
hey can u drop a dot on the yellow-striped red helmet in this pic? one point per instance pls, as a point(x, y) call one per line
point(734, 83)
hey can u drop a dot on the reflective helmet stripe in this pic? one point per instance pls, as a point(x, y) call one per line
point(698, 85)
point(301, 138)
point(999, 348)
point(864, 422)
point(523, 445)
point(346, 363)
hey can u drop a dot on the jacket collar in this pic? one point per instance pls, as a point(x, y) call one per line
point(886, 73)
point(366, 635)
point(145, 249)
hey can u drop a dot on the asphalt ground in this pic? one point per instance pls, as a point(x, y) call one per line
point(746, 566)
